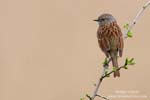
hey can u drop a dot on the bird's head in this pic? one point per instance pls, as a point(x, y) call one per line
point(105, 19)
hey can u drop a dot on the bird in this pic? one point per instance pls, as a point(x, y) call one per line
point(110, 39)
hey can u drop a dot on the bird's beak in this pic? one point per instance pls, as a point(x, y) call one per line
point(96, 20)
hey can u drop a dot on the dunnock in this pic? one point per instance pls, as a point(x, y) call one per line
point(110, 39)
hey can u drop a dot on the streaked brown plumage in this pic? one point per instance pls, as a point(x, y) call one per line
point(110, 38)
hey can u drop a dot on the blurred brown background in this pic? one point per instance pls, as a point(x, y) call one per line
point(49, 49)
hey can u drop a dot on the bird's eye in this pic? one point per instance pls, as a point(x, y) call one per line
point(102, 19)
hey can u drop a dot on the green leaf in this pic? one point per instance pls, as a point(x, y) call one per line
point(107, 75)
point(126, 62)
point(114, 68)
point(106, 72)
point(82, 98)
point(105, 61)
point(133, 63)
point(125, 67)
point(129, 34)
point(131, 60)
point(126, 26)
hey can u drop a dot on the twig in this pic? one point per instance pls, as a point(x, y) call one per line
point(105, 68)
point(136, 18)
point(90, 98)
point(102, 97)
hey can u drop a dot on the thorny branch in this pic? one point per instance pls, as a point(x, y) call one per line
point(105, 65)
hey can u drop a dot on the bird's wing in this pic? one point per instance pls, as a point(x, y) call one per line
point(104, 45)
point(119, 38)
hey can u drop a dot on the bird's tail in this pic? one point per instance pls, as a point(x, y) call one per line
point(115, 64)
